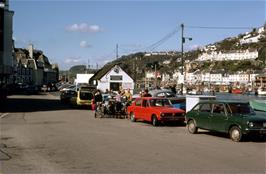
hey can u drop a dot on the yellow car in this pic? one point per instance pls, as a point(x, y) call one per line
point(84, 96)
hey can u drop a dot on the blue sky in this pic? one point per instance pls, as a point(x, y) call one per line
point(73, 32)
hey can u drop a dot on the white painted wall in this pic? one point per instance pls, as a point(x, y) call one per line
point(83, 78)
point(127, 81)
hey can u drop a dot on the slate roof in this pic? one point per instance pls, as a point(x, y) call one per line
point(101, 72)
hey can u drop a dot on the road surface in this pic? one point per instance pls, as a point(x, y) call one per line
point(41, 135)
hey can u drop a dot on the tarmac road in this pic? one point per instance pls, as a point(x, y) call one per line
point(41, 135)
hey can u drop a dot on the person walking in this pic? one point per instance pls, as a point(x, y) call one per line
point(98, 99)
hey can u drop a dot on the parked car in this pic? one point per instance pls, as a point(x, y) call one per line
point(178, 102)
point(154, 110)
point(232, 117)
point(66, 95)
point(84, 96)
point(162, 93)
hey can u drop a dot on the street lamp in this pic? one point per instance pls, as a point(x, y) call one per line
point(183, 39)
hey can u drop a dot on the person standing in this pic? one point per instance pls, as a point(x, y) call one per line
point(98, 98)
point(146, 93)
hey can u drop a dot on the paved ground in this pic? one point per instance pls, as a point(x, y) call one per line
point(40, 135)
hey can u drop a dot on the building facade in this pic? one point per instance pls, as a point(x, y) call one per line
point(113, 78)
point(6, 47)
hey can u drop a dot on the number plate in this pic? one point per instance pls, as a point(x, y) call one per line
point(264, 124)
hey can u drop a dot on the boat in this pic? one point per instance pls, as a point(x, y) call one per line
point(259, 105)
point(236, 91)
point(261, 91)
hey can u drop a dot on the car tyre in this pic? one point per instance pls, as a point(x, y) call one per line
point(191, 126)
point(132, 117)
point(154, 120)
point(235, 134)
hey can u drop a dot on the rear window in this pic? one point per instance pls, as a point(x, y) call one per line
point(85, 95)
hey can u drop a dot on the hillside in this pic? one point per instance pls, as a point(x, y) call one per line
point(137, 64)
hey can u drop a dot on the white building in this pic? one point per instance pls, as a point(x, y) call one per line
point(248, 38)
point(112, 78)
point(233, 55)
point(83, 78)
point(232, 78)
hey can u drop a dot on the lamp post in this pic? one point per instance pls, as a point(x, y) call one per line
point(183, 39)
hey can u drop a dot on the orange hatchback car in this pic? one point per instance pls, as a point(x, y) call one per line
point(154, 110)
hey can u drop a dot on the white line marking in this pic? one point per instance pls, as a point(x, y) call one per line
point(3, 115)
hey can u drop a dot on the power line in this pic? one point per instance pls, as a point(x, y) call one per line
point(219, 27)
point(163, 40)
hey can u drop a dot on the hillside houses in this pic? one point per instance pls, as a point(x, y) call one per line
point(248, 54)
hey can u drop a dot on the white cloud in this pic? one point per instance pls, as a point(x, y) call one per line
point(84, 44)
point(72, 60)
point(83, 27)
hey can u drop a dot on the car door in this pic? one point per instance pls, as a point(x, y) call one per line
point(137, 108)
point(203, 116)
point(145, 110)
point(219, 118)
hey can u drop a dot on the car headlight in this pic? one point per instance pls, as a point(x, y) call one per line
point(162, 114)
point(250, 124)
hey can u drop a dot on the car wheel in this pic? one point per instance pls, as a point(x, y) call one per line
point(154, 120)
point(235, 134)
point(191, 126)
point(132, 117)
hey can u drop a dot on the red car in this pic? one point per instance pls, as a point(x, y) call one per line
point(154, 110)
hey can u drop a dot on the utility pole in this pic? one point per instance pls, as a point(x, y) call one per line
point(182, 57)
point(183, 72)
point(155, 76)
point(116, 51)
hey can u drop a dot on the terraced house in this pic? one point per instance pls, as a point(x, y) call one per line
point(34, 68)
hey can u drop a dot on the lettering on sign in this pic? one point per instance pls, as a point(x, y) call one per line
point(116, 77)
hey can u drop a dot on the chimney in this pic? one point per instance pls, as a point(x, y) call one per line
point(30, 49)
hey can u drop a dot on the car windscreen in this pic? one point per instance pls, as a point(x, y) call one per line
point(176, 101)
point(241, 108)
point(169, 94)
point(85, 95)
point(159, 102)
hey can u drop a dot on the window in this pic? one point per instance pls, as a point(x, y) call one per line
point(85, 96)
point(218, 108)
point(205, 107)
point(144, 103)
point(241, 108)
point(138, 102)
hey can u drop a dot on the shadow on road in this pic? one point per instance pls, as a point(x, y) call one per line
point(13, 105)
point(249, 138)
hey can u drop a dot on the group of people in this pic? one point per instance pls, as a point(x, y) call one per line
point(116, 101)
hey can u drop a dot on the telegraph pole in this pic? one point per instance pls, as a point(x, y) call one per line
point(182, 57)
point(116, 51)
point(183, 73)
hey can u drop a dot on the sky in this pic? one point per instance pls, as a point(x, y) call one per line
point(87, 32)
